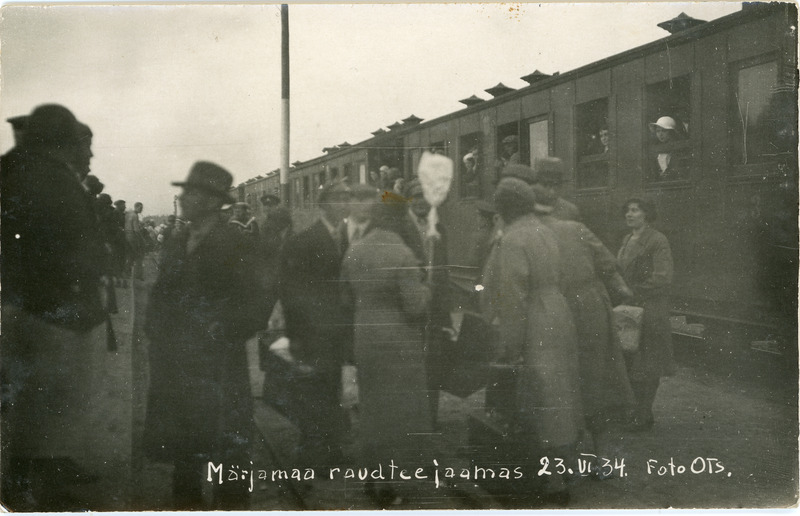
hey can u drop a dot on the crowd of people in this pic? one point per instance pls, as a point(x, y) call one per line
point(365, 285)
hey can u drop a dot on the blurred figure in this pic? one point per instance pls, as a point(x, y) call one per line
point(546, 177)
point(243, 222)
point(645, 262)
point(588, 276)
point(536, 332)
point(362, 200)
point(318, 325)
point(275, 230)
point(431, 251)
point(50, 312)
point(93, 185)
point(136, 243)
point(202, 308)
point(18, 124)
point(383, 282)
point(509, 153)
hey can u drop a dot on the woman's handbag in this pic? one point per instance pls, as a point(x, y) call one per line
point(628, 322)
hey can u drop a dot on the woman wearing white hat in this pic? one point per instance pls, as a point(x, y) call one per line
point(665, 130)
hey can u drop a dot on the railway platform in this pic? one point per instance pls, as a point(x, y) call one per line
point(721, 440)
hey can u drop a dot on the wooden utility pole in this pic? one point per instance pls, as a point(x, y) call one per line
point(285, 104)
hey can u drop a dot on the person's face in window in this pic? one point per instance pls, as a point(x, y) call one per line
point(604, 137)
point(634, 216)
point(663, 135)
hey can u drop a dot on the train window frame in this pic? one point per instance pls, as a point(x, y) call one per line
point(588, 155)
point(528, 144)
point(654, 108)
point(765, 164)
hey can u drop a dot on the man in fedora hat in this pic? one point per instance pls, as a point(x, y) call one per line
point(202, 308)
point(53, 257)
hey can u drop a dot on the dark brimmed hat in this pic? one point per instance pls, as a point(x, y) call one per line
point(51, 124)
point(548, 171)
point(270, 200)
point(18, 122)
point(210, 178)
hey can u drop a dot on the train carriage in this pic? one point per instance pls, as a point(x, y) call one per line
point(729, 203)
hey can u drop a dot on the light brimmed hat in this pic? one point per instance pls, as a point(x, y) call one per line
point(210, 178)
point(665, 122)
point(511, 139)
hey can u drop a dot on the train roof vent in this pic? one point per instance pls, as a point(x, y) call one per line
point(344, 145)
point(297, 163)
point(330, 149)
point(471, 101)
point(412, 120)
point(536, 76)
point(500, 89)
point(395, 126)
point(680, 23)
point(379, 132)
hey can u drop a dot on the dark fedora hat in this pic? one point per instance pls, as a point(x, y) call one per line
point(210, 178)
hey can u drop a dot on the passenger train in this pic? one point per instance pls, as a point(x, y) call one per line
point(729, 209)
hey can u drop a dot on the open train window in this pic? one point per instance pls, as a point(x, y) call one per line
point(306, 190)
point(472, 164)
point(669, 130)
point(348, 174)
point(593, 143)
point(763, 115)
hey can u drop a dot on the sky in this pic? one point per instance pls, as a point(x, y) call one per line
point(163, 86)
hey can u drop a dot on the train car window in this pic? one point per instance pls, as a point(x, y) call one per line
point(348, 174)
point(593, 143)
point(669, 131)
point(763, 116)
point(306, 190)
point(472, 164)
point(334, 173)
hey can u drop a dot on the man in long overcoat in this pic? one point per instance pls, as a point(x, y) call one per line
point(203, 307)
point(51, 264)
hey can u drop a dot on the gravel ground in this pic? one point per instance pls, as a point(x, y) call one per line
point(749, 427)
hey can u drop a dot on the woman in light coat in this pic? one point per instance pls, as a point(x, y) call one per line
point(384, 283)
point(536, 330)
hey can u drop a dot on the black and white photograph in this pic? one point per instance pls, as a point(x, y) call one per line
point(433, 256)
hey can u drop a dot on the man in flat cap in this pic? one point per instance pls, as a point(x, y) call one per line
point(53, 256)
point(201, 310)
point(318, 325)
